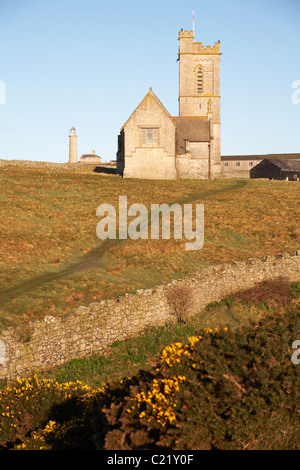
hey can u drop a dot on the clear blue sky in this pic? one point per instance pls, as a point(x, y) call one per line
point(88, 64)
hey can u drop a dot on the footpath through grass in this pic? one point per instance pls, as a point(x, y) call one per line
point(51, 260)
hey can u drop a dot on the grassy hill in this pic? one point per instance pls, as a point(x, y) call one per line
point(231, 363)
point(51, 260)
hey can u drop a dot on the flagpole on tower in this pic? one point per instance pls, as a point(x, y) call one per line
point(194, 23)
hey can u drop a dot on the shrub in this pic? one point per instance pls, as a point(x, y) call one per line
point(276, 292)
point(222, 390)
point(180, 299)
point(26, 404)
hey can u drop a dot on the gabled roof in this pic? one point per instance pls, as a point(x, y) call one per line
point(288, 165)
point(153, 95)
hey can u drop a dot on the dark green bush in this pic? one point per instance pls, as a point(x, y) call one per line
point(238, 390)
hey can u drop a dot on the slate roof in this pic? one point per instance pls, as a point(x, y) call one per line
point(275, 156)
point(193, 129)
point(286, 165)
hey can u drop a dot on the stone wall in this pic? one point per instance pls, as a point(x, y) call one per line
point(235, 174)
point(90, 330)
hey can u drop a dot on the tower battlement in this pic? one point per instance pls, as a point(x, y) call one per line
point(186, 34)
point(187, 45)
point(199, 48)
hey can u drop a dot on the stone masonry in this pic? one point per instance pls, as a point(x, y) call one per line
point(152, 144)
point(88, 331)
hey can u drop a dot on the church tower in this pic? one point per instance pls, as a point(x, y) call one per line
point(199, 85)
point(199, 77)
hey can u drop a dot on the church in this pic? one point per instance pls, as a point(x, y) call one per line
point(152, 144)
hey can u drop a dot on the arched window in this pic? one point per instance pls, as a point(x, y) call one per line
point(199, 80)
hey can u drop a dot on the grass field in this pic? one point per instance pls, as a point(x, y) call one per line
point(51, 260)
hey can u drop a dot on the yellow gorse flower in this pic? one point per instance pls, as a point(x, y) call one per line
point(174, 352)
point(159, 401)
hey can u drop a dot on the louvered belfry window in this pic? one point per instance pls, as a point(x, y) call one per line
point(199, 80)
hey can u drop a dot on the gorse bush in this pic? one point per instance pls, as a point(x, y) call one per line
point(223, 388)
point(26, 405)
point(42, 414)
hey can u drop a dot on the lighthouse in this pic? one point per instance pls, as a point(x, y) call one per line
point(73, 146)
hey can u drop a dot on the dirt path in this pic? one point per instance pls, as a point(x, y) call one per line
point(91, 259)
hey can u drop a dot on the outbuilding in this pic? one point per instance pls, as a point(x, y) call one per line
point(277, 169)
point(90, 158)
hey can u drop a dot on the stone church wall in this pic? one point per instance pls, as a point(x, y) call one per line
point(153, 161)
point(91, 330)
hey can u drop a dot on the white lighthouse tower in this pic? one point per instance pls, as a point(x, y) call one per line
point(73, 146)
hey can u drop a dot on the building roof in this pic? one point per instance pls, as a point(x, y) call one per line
point(281, 156)
point(193, 129)
point(89, 155)
point(159, 103)
point(287, 165)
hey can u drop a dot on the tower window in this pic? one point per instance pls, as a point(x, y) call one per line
point(199, 84)
point(150, 136)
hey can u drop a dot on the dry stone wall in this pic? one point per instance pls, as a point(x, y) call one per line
point(90, 330)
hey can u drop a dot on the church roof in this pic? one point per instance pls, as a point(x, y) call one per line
point(153, 95)
point(193, 129)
